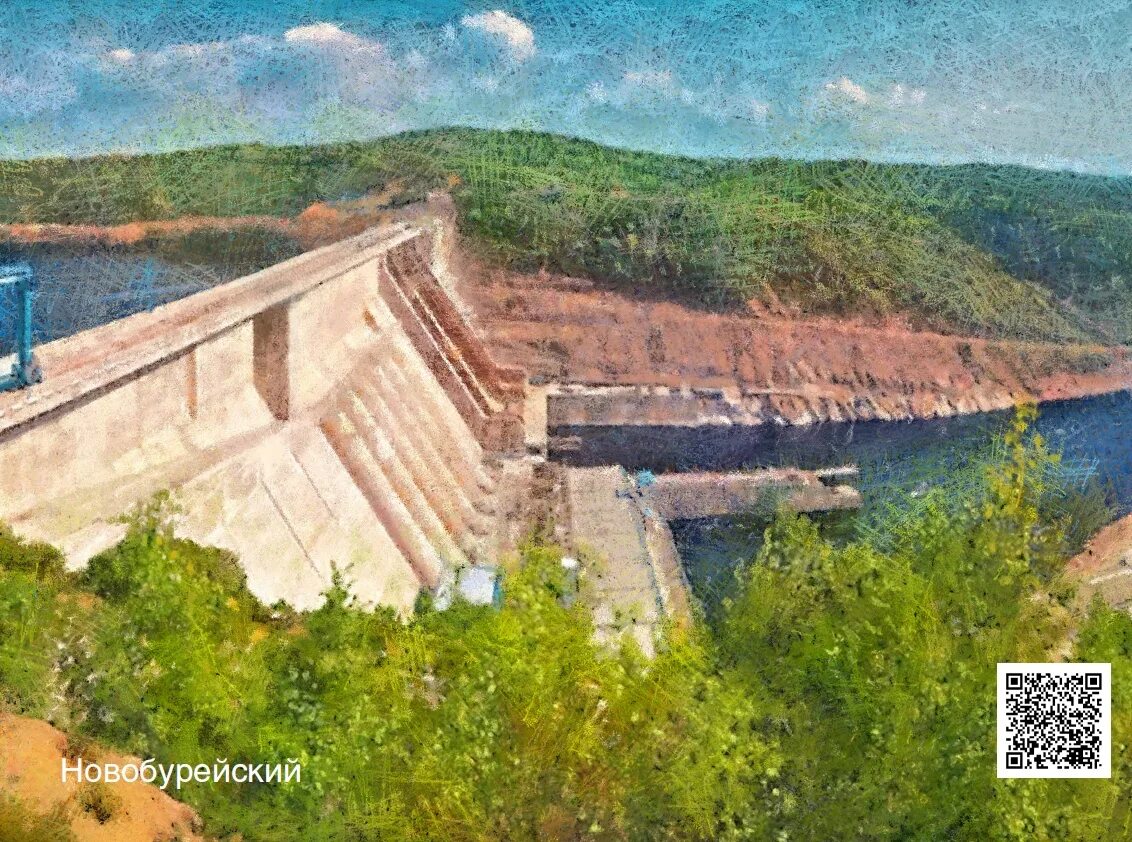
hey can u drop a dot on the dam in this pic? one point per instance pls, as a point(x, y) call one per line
point(339, 410)
point(332, 408)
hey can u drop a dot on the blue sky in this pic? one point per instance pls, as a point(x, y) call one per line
point(1045, 83)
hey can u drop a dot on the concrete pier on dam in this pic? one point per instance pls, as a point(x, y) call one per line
point(340, 409)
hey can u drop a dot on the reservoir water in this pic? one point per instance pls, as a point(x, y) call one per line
point(81, 289)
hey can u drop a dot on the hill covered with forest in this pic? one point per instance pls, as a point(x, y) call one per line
point(972, 249)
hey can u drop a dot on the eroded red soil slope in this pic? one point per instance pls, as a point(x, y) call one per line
point(568, 330)
point(31, 753)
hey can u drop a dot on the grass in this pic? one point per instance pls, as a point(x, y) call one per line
point(18, 823)
point(982, 250)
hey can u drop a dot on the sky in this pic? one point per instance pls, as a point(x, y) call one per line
point(1044, 83)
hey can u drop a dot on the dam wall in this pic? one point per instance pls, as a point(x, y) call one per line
point(334, 410)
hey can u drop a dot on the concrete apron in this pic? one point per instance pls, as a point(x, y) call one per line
point(630, 572)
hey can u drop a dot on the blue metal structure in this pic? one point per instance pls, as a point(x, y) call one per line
point(26, 370)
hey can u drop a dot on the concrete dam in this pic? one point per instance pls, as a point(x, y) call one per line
point(337, 409)
point(333, 408)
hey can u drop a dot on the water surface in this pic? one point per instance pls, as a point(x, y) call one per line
point(81, 288)
point(897, 460)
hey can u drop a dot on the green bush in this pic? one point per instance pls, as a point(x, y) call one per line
point(42, 561)
point(98, 801)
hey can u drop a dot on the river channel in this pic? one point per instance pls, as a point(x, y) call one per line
point(897, 460)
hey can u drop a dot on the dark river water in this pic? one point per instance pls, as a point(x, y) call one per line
point(896, 460)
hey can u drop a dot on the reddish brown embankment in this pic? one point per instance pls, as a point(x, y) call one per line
point(774, 363)
point(796, 368)
point(31, 754)
point(1105, 565)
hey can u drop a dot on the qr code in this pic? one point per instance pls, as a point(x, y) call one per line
point(1054, 720)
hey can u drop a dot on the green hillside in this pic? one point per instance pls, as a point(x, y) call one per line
point(998, 251)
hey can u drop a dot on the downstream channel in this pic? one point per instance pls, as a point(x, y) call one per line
point(896, 460)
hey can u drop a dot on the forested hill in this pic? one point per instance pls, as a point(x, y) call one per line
point(974, 249)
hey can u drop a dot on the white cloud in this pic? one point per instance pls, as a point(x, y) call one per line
point(307, 64)
point(901, 95)
point(47, 88)
point(657, 80)
point(898, 96)
point(520, 38)
point(652, 89)
point(194, 51)
point(760, 110)
point(846, 88)
point(323, 36)
point(354, 70)
point(326, 35)
point(189, 55)
point(658, 90)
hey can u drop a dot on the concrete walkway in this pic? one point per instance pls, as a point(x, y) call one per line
point(618, 574)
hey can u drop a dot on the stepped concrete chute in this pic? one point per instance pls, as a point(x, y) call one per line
point(333, 410)
point(488, 396)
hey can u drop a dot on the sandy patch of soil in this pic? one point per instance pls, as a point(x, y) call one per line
point(31, 753)
point(1104, 567)
point(1109, 549)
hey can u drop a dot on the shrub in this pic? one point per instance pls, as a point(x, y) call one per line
point(40, 560)
point(846, 692)
point(99, 801)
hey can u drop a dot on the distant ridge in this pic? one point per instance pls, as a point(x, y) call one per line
point(977, 249)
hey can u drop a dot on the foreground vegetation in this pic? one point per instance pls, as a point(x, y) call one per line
point(1002, 251)
point(847, 693)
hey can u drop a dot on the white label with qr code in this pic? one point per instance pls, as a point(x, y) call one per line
point(1054, 720)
